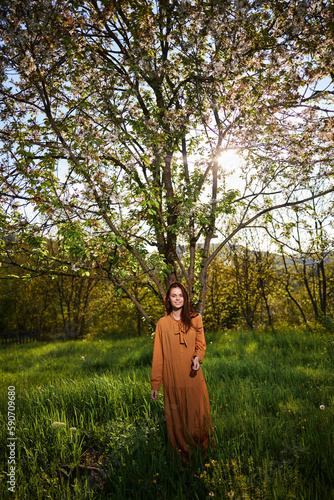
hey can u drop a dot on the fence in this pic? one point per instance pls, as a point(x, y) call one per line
point(19, 337)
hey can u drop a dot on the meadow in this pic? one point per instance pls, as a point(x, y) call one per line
point(87, 428)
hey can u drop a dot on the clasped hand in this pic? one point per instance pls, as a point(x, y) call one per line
point(196, 364)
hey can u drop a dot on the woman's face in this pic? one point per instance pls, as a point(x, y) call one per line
point(176, 298)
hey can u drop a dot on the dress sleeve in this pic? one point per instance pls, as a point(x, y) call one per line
point(157, 361)
point(200, 344)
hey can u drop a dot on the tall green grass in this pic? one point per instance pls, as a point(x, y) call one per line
point(88, 402)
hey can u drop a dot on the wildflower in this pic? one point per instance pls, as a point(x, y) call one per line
point(73, 428)
point(230, 494)
point(211, 494)
point(157, 474)
point(154, 481)
point(82, 358)
point(321, 407)
point(207, 465)
point(124, 465)
point(58, 424)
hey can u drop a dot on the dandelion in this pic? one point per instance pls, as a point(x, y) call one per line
point(58, 424)
point(321, 407)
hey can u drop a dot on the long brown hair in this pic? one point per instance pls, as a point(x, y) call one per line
point(187, 312)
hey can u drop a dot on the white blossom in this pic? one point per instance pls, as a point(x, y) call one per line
point(58, 424)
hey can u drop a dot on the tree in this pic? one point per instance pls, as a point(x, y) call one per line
point(116, 114)
point(48, 304)
point(26, 304)
point(306, 247)
point(7, 304)
point(222, 303)
point(291, 283)
point(253, 275)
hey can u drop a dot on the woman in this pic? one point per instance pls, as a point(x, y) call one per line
point(179, 348)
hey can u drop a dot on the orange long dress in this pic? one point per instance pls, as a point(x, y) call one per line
point(186, 399)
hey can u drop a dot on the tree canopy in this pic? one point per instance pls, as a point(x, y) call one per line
point(115, 116)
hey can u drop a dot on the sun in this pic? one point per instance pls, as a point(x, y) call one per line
point(230, 163)
point(229, 160)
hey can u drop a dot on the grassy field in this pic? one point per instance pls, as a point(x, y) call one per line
point(87, 428)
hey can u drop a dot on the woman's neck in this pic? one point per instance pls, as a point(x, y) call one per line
point(177, 314)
